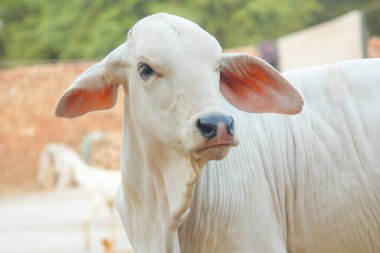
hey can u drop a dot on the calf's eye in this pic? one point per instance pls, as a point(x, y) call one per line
point(145, 71)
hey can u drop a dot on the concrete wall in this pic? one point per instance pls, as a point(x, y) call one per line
point(335, 40)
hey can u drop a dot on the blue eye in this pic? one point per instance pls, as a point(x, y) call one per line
point(145, 71)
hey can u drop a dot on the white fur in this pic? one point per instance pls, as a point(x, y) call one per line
point(304, 183)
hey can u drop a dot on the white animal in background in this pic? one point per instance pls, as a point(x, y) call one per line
point(302, 183)
point(55, 167)
point(60, 163)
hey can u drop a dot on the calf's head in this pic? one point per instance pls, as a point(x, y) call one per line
point(173, 73)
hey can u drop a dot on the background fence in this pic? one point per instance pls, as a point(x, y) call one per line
point(351, 36)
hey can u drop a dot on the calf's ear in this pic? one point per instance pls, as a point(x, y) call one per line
point(252, 85)
point(96, 88)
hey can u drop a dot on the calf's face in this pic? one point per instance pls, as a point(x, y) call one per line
point(174, 86)
point(173, 73)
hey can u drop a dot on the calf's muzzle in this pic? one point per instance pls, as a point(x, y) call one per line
point(217, 124)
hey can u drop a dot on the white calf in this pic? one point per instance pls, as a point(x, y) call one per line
point(61, 164)
point(304, 183)
point(55, 167)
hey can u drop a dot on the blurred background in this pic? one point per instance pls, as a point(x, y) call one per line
point(45, 45)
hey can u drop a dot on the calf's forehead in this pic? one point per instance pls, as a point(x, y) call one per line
point(168, 39)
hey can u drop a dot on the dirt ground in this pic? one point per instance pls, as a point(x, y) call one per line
point(28, 96)
point(52, 222)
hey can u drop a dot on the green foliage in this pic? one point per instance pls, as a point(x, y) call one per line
point(242, 22)
point(333, 8)
point(76, 29)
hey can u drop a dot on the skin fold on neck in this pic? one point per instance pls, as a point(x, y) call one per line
point(158, 186)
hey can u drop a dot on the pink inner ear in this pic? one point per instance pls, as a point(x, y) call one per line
point(252, 86)
point(77, 102)
point(246, 94)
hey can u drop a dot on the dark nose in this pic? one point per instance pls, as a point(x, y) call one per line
point(208, 126)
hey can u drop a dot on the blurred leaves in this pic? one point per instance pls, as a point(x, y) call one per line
point(75, 29)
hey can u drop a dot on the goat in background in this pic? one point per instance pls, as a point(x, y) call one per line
point(60, 166)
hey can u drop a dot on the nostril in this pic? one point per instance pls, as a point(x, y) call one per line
point(207, 129)
point(230, 126)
